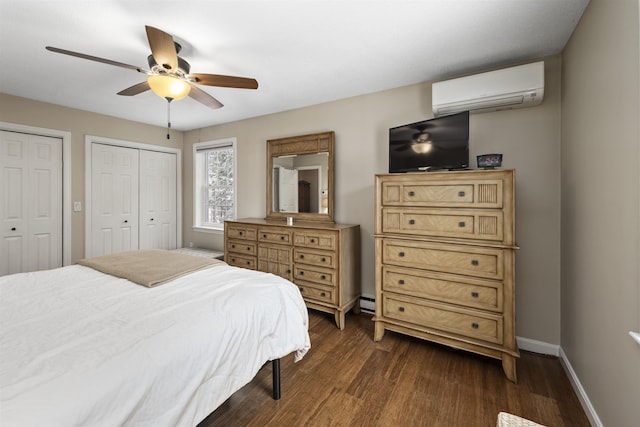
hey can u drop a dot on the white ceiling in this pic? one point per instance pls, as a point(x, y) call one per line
point(302, 52)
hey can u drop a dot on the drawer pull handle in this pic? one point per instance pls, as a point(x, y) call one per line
point(412, 193)
point(412, 221)
point(475, 262)
point(461, 193)
point(475, 325)
point(313, 240)
point(125, 221)
point(264, 236)
point(401, 282)
point(13, 229)
point(324, 260)
point(248, 262)
point(323, 294)
point(461, 224)
point(249, 248)
point(281, 237)
point(241, 233)
point(302, 273)
point(301, 256)
point(401, 309)
point(233, 246)
point(301, 289)
point(289, 271)
point(401, 254)
point(233, 260)
point(323, 277)
point(475, 294)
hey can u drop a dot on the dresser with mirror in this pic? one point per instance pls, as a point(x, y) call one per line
point(298, 239)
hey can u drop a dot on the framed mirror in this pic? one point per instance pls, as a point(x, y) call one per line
point(300, 177)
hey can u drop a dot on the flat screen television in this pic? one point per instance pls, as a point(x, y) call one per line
point(434, 144)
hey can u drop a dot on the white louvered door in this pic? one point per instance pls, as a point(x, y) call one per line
point(30, 202)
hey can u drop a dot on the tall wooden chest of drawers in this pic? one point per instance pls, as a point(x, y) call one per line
point(444, 260)
point(323, 259)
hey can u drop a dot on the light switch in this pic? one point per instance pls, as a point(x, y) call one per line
point(77, 206)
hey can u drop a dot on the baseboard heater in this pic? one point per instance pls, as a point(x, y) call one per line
point(368, 304)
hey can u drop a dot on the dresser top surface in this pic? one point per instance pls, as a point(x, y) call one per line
point(296, 224)
point(455, 174)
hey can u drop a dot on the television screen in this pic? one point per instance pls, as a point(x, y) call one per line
point(439, 143)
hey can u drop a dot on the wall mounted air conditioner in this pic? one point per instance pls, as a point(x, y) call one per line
point(515, 87)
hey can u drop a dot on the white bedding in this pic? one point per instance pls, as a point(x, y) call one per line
point(78, 347)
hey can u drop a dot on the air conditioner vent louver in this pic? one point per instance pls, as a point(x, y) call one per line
point(515, 87)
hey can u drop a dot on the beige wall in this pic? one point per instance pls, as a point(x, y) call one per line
point(80, 123)
point(601, 208)
point(529, 138)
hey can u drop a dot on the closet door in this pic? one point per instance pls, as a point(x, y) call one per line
point(114, 199)
point(30, 202)
point(158, 224)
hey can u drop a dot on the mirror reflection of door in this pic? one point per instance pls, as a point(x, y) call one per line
point(287, 197)
point(304, 204)
point(310, 176)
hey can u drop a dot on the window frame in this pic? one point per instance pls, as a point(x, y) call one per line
point(198, 178)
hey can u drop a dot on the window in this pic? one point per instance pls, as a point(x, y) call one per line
point(214, 178)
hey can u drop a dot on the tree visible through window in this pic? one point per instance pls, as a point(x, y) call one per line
point(219, 195)
point(214, 183)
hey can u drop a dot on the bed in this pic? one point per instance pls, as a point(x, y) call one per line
point(82, 347)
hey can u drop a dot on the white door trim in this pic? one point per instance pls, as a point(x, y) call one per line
point(88, 141)
point(66, 178)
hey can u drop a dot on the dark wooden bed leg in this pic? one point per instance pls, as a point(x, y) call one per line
point(275, 367)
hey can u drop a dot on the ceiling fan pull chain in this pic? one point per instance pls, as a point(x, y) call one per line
point(169, 116)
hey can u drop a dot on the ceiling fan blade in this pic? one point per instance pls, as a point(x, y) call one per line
point(97, 59)
point(163, 48)
point(225, 81)
point(135, 89)
point(204, 98)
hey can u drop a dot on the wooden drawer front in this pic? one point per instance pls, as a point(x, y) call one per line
point(238, 231)
point(275, 259)
point(469, 224)
point(325, 276)
point(457, 259)
point(486, 327)
point(309, 256)
point(315, 239)
point(241, 247)
point(241, 261)
point(274, 236)
point(460, 290)
point(312, 291)
point(485, 193)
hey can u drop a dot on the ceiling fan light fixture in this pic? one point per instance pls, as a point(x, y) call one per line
point(166, 86)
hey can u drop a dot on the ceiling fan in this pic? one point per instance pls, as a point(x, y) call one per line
point(169, 76)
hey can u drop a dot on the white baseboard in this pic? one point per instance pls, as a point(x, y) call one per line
point(539, 347)
point(580, 392)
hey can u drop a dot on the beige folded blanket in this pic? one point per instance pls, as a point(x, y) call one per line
point(148, 267)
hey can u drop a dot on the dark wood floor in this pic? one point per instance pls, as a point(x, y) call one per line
point(346, 379)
